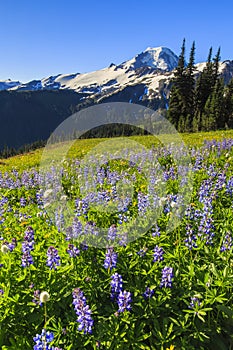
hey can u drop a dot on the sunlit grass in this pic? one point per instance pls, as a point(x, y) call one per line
point(82, 147)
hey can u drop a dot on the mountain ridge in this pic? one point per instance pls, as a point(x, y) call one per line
point(31, 111)
point(152, 67)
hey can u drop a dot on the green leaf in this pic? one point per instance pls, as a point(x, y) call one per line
point(226, 310)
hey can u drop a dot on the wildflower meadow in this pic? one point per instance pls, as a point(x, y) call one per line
point(65, 285)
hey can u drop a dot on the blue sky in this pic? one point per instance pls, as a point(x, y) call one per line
point(47, 37)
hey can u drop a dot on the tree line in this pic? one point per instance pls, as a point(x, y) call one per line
point(199, 101)
point(8, 152)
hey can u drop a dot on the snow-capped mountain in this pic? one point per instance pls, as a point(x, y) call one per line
point(150, 70)
point(158, 58)
point(8, 84)
point(145, 79)
point(152, 61)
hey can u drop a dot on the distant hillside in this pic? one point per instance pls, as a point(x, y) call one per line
point(29, 116)
point(26, 117)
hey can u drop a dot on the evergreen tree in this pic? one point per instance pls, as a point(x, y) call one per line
point(218, 104)
point(180, 70)
point(228, 105)
point(204, 86)
point(176, 105)
point(214, 108)
point(189, 89)
point(181, 106)
point(216, 61)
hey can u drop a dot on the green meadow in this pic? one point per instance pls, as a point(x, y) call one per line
point(161, 274)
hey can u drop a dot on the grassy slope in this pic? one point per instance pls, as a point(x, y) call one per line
point(81, 147)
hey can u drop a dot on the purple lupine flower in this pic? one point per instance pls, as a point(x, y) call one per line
point(227, 242)
point(206, 226)
point(100, 175)
point(221, 181)
point(124, 300)
point(77, 228)
point(211, 171)
point(23, 202)
point(42, 340)
point(79, 300)
point(85, 319)
point(78, 205)
point(198, 163)
point(53, 259)
point(122, 218)
point(229, 186)
point(123, 237)
point(142, 252)
point(116, 285)
point(73, 251)
point(112, 177)
point(158, 253)
point(27, 247)
point(39, 200)
point(36, 297)
point(171, 202)
point(29, 234)
point(103, 197)
point(169, 174)
point(148, 293)
point(205, 190)
point(82, 206)
point(110, 259)
point(82, 311)
point(59, 221)
point(91, 229)
point(155, 231)
point(27, 259)
point(69, 233)
point(123, 204)
point(10, 245)
point(190, 241)
point(83, 245)
point(167, 275)
point(143, 203)
point(112, 232)
point(194, 302)
point(1, 292)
